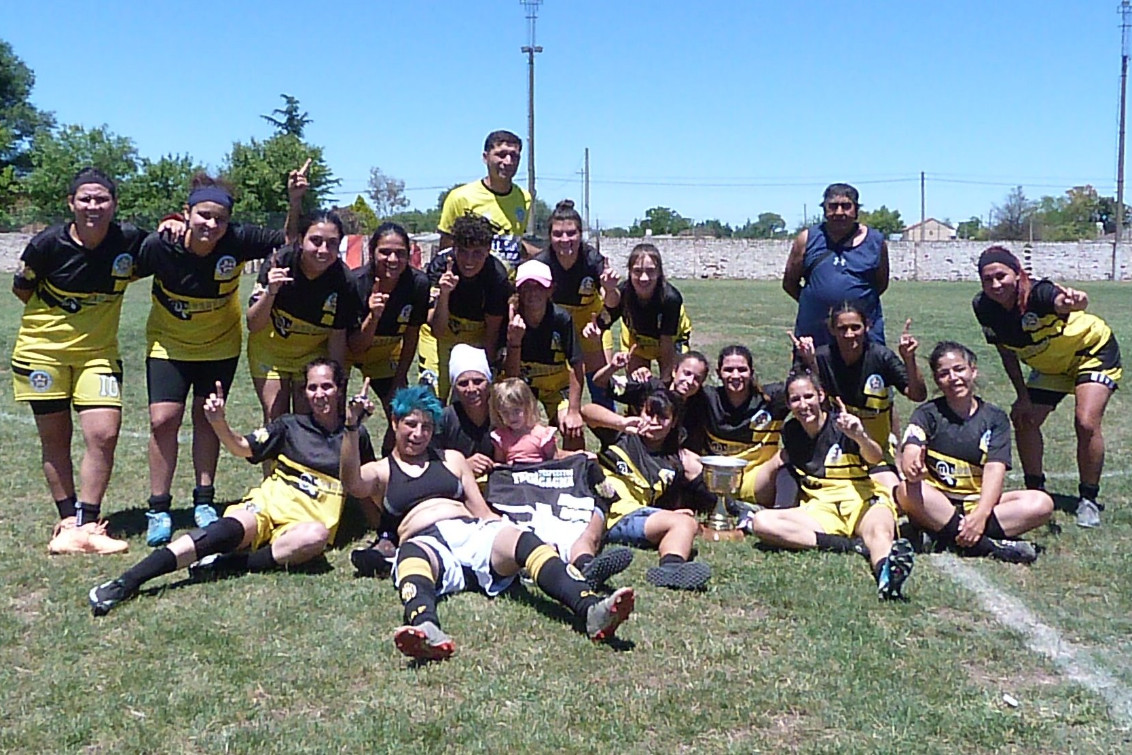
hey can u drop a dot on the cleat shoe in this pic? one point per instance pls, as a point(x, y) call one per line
point(219, 566)
point(204, 570)
point(107, 595)
point(602, 619)
point(1014, 551)
point(605, 564)
point(204, 514)
point(1088, 513)
point(895, 571)
point(159, 531)
point(741, 509)
point(368, 562)
point(690, 575)
point(424, 642)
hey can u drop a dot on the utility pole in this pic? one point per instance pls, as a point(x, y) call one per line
point(923, 228)
point(1125, 11)
point(530, 49)
point(586, 192)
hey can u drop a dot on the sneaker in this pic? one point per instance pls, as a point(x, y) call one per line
point(219, 566)
point(896, 569)
point(1088, 513)
point(424, 642)
point(1014, 551)
point(690, 575)
point(605, 564)
point(204, 514)
point(107, 595)
point(159, 531)
point(204, 570)
point(602, 619)
point(740, 509)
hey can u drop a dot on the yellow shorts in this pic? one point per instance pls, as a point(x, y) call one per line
point(581, 317)
point(427, 356)
point(381, 359)
point(279, 505)
point(1102, 366)
point(95, 382)
point(552, 391)
point(842, 517)
point(648, 348)
point(265, 365)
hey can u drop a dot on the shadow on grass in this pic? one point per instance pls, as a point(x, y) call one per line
point(519, 592)
point(132, 522)
point(317, 565)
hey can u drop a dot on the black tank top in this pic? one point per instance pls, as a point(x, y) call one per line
point(404, 492)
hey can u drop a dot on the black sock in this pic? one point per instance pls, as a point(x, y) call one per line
point(86, 513)
point(160, 561)
point(66, 507)
point(1089, 491)
point(550, 574)
point(834, 543)
point(416, 585)
point(993, 528)
point(946, 536)
point(1034, 481)
point(672, 558)
point(160, 502)
point(204, 494)
point(262, 560)
point(582, 561)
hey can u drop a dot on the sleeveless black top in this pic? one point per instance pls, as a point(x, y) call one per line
point(404, 492)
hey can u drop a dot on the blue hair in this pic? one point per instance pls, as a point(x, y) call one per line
point(416, 398)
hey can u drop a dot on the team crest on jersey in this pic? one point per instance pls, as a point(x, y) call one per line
point(760, 420)
point(874, 385)
point(308, 484)
point(406, 313)
point(225, 268)
point(123, 266)
point(833, 455)
point(946, 473)
point(623, 468)
point(556, 341)
point(40, 381)
point(1030, 321)
point(586, 287)
point(984, 441)
point(261, 435)
point(282, 324)
point(70, 305)
point(520, 214)
point(667, 476)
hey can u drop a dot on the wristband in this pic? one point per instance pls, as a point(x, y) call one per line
point(349, 427)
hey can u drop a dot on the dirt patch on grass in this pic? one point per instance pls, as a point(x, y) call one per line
point(26, 606)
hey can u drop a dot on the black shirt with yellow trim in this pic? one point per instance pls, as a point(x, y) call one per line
point(550, 344)
point(640, 477)
point(750, 431)
point(867, 387)
point(829, 467)
point(309, 306)
point(195, 315)
point(406, 307)
point(659, 316)
point(301, 440)
point(76, 293)
point(579, 285)
point(486, 293)
point(958, 448)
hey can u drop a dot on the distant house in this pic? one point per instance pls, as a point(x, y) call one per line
point(929, 230)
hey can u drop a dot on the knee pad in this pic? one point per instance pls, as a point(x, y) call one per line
point(222, 536)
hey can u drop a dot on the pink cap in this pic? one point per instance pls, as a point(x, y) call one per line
point(533, 270)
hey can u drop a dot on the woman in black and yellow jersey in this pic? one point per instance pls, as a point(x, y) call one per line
point(657, 485)
point(301, 306)
point(829, 453)
point(194, 335)
point(651, 310)
point(959, 445)
point(1045, 325)
point(451, 540)
point(470, 294)
point(71, 280)
point(578, 270)
point(741, 418)
point(288, 519)
point(542, 350)
point(395, 298)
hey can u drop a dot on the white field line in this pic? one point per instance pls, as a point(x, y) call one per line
point(27, 419)
point(1074, 661)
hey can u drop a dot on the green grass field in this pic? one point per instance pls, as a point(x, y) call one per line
point(783, 652)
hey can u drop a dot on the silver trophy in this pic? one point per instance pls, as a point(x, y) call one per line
point(723, 475)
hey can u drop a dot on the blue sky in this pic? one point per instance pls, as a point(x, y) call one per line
point(717, 110)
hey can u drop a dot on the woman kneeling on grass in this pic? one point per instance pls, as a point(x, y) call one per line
point(960, 446)
point(658, 486)
point(288, 519)
point(829, 452)
point(448, 534)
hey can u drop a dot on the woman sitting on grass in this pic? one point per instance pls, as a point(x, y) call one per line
point(829, 453)
point(288, 519)
point(960, 446)
point(449, 535)
point(657, 486)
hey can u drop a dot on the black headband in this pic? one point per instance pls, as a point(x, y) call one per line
point(998, 254)
point(92, 177)
point(210, 194)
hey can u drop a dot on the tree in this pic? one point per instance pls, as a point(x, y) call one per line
point(662, 221)
point(883, 219)
point(714, 227)
point(365, 218)
point(970, 229)
point(769, 225)
point(258, 171)
point(158, 188)
point(57, 155)
point(291, 121)
point(616, 232)
point(19, 119)
point(1011, 219)
point(386, 192)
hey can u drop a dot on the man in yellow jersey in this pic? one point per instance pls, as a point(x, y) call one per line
point(498, 199)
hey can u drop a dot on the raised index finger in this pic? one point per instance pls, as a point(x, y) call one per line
point(365, 387)
point(793, 337)
point(219, 390)
point(306, 166)
point(840, 403)
point(908, 326)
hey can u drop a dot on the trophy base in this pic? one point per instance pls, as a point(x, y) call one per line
point(717, 535)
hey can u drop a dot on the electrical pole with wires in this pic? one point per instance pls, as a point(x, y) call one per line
point(530, 49)
point(1125, 12)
